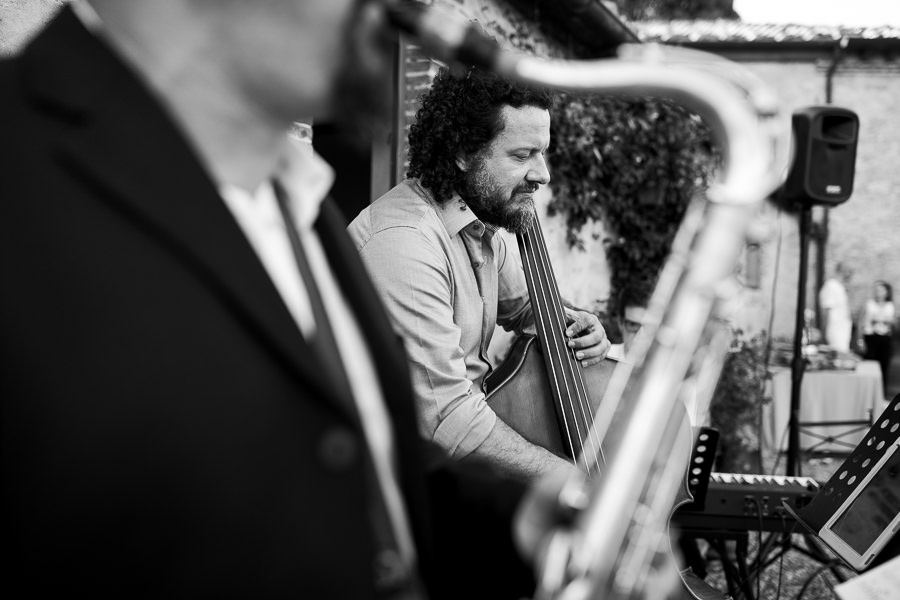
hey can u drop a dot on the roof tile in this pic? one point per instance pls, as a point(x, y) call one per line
point(725, 30)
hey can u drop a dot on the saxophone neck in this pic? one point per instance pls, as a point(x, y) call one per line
point(742, 112)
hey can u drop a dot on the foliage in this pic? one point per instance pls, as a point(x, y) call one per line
point(633, 163)
point(735, 405)
point(636, 10)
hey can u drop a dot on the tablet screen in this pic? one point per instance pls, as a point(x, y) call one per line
point(874, 508)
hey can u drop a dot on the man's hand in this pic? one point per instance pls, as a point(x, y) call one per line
point(587, 337)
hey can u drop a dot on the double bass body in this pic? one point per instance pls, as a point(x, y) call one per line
point(541, 390)
point(520, 392)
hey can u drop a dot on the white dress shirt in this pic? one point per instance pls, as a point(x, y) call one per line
point(306, 179)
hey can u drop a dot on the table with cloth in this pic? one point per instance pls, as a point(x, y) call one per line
point(836, 408)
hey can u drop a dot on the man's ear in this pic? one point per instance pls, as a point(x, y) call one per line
point(462, 162)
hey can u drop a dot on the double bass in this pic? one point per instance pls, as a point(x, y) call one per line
point(544, 393)
point(541, 390)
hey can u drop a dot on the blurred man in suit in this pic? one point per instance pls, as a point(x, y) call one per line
point(201, 395)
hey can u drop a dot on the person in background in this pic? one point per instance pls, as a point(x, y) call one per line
point(878, 329)
point(476, 152)
point(835, 306)
point(630, 307)
point(201, 394)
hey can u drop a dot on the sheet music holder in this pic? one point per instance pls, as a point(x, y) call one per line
point(856, 513)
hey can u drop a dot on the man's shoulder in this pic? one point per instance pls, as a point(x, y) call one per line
point(407, 192)
point(404, 205)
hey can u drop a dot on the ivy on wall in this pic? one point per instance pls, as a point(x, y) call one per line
point(736, 404)
point(633, 163)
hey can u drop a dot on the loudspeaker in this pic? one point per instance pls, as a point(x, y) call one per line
point(824, 156)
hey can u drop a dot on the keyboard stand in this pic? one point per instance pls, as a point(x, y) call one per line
point(741, 573)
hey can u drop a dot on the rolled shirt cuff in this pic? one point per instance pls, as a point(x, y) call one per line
point(467, 427)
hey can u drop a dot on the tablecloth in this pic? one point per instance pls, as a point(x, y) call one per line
point(826, 396)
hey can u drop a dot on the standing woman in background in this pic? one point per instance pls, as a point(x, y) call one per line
point(877, 328)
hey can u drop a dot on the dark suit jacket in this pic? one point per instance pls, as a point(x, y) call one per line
point(165, 431)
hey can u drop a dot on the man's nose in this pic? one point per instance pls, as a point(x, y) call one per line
point(539, 173)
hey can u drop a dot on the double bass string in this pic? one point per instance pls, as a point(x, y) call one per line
point(564, 371)
point(580, 394)
point(544, 321)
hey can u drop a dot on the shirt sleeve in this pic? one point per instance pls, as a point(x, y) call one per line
point(413, 275)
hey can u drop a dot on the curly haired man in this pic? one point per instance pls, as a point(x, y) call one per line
point(476, 156)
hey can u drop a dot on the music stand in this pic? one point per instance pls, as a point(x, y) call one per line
point(853, 474)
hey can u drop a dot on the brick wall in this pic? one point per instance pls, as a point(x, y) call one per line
point(864, 230)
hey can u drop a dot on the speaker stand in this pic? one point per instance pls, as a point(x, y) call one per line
point(798, 364)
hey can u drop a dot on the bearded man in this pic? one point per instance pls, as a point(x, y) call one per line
point(477, 156)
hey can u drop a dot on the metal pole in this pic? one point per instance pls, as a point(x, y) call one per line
point(798, 364)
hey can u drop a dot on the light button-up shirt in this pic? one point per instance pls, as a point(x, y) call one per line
point(447, 280)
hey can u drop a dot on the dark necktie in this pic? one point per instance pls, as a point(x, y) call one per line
point(391, 573)
point(323, 340)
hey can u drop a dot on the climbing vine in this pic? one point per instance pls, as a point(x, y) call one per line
point(633, 163)
point(737, 401)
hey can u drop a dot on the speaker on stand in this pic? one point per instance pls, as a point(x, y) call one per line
point(821, 174)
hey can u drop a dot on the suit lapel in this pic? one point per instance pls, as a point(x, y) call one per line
point(121, 142)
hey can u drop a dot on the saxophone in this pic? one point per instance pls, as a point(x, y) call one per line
point(618, 544)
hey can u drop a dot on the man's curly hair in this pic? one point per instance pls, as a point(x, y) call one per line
point(461, 114)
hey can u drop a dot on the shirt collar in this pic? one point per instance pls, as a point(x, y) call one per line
point(456, 215)
point(307, 178)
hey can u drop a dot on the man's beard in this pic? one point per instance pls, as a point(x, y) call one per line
point(492, 205)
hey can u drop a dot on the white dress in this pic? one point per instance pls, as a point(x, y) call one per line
point(838, 324)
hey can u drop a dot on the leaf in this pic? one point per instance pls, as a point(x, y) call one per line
point(607, 151)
